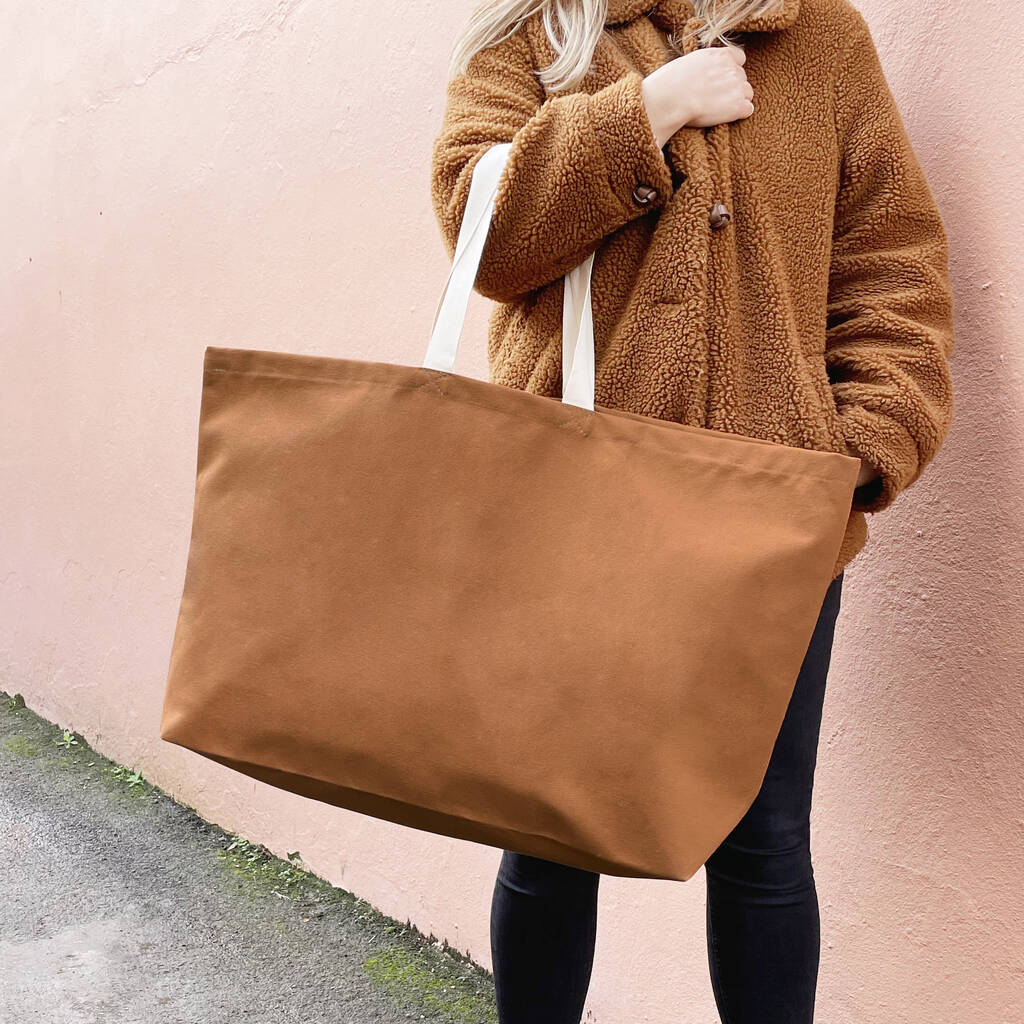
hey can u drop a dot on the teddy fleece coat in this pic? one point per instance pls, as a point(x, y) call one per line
point(783, 276)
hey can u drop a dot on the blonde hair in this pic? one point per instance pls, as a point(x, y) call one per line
point(574, 27)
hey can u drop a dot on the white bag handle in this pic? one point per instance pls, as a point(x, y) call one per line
point(450, 315)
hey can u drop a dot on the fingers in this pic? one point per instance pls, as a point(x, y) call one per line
point(746, 90)
point(737, 53)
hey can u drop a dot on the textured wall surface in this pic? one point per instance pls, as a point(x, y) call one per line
point(254, 174)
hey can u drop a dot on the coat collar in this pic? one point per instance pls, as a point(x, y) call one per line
point(678, 12)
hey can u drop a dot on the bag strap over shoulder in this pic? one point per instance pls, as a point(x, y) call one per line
point(450, 315)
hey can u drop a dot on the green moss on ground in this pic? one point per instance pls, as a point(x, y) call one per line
point(421, 982)
point(419, 973)
point(20, 745)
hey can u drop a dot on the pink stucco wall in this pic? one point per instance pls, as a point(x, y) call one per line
point(254, 174)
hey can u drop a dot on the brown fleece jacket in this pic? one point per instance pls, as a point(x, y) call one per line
point(818, 313)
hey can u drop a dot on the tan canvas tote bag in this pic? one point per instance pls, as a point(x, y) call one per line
point(535, 624)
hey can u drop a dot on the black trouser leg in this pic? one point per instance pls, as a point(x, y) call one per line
point(762, 918)
point(543, 931)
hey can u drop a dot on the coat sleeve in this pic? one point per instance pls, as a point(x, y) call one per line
point(571, 171)
point(889, 330)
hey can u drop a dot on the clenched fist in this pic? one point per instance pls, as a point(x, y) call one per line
point(705, 87)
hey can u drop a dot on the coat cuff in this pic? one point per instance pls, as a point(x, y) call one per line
point(887, 446)
point(632, 156)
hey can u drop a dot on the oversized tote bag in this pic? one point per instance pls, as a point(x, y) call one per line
point(535, 624)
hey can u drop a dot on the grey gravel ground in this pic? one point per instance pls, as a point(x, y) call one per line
point(120, 905)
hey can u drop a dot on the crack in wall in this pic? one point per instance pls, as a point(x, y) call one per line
point(225, 31)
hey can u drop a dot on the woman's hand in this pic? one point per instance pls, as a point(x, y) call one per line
point(702, 88)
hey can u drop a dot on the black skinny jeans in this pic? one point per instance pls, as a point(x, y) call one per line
point(763, 928)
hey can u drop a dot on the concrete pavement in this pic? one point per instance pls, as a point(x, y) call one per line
point(120, 906)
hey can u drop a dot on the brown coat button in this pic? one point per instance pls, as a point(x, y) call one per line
point(720, 216)
point(643, 194)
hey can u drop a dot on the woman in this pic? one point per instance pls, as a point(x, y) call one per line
point(769, 261)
